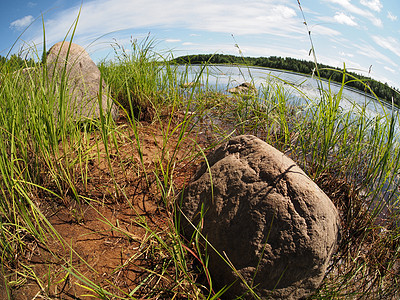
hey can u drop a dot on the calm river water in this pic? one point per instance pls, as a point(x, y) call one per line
point(225, 77)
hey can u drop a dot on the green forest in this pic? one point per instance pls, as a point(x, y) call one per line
point(382, 90)
point(16, 62)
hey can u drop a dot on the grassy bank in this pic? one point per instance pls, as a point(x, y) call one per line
point(87, 210)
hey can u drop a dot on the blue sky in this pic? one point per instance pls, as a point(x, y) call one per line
point(359, 33)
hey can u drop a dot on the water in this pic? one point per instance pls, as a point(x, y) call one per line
point(302, 89)
point(297, 85)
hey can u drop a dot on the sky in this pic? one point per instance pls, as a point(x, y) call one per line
point(363, 35)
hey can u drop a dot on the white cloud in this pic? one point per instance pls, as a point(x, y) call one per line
point(324, 31)
point(346, 54)
point(22, 23)
point(390, 69)
point(342, 18)
point(284, 11)
point(389, 43)
point(188, 44)
point(277, 50)
point(105, 16)
point(373, 54)
point(172, 40)
point(320, 29)
point(391, 17)
point(375, 5)
point(377, 22)
point(346, 4)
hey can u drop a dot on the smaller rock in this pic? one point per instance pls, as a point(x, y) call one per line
point(246, 88)
point(189, 85)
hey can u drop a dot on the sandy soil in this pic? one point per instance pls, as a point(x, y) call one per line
point(108, 240)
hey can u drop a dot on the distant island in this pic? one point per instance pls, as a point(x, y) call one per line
point(382, 90)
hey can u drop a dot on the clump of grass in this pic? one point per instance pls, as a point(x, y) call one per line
point(136, 78)
point(340, 151)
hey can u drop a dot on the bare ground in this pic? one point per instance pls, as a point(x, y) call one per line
point(112, 241)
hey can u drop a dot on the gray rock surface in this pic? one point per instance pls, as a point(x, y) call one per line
point(272, 221)
point(245, 88)
point(82, 78)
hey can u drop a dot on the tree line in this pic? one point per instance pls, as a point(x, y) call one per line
point(382, 90)
point(15, 62)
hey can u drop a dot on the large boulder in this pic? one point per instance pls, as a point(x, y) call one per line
point(265, 216)
point(70, 64)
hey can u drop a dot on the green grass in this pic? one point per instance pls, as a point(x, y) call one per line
point(47, 159)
